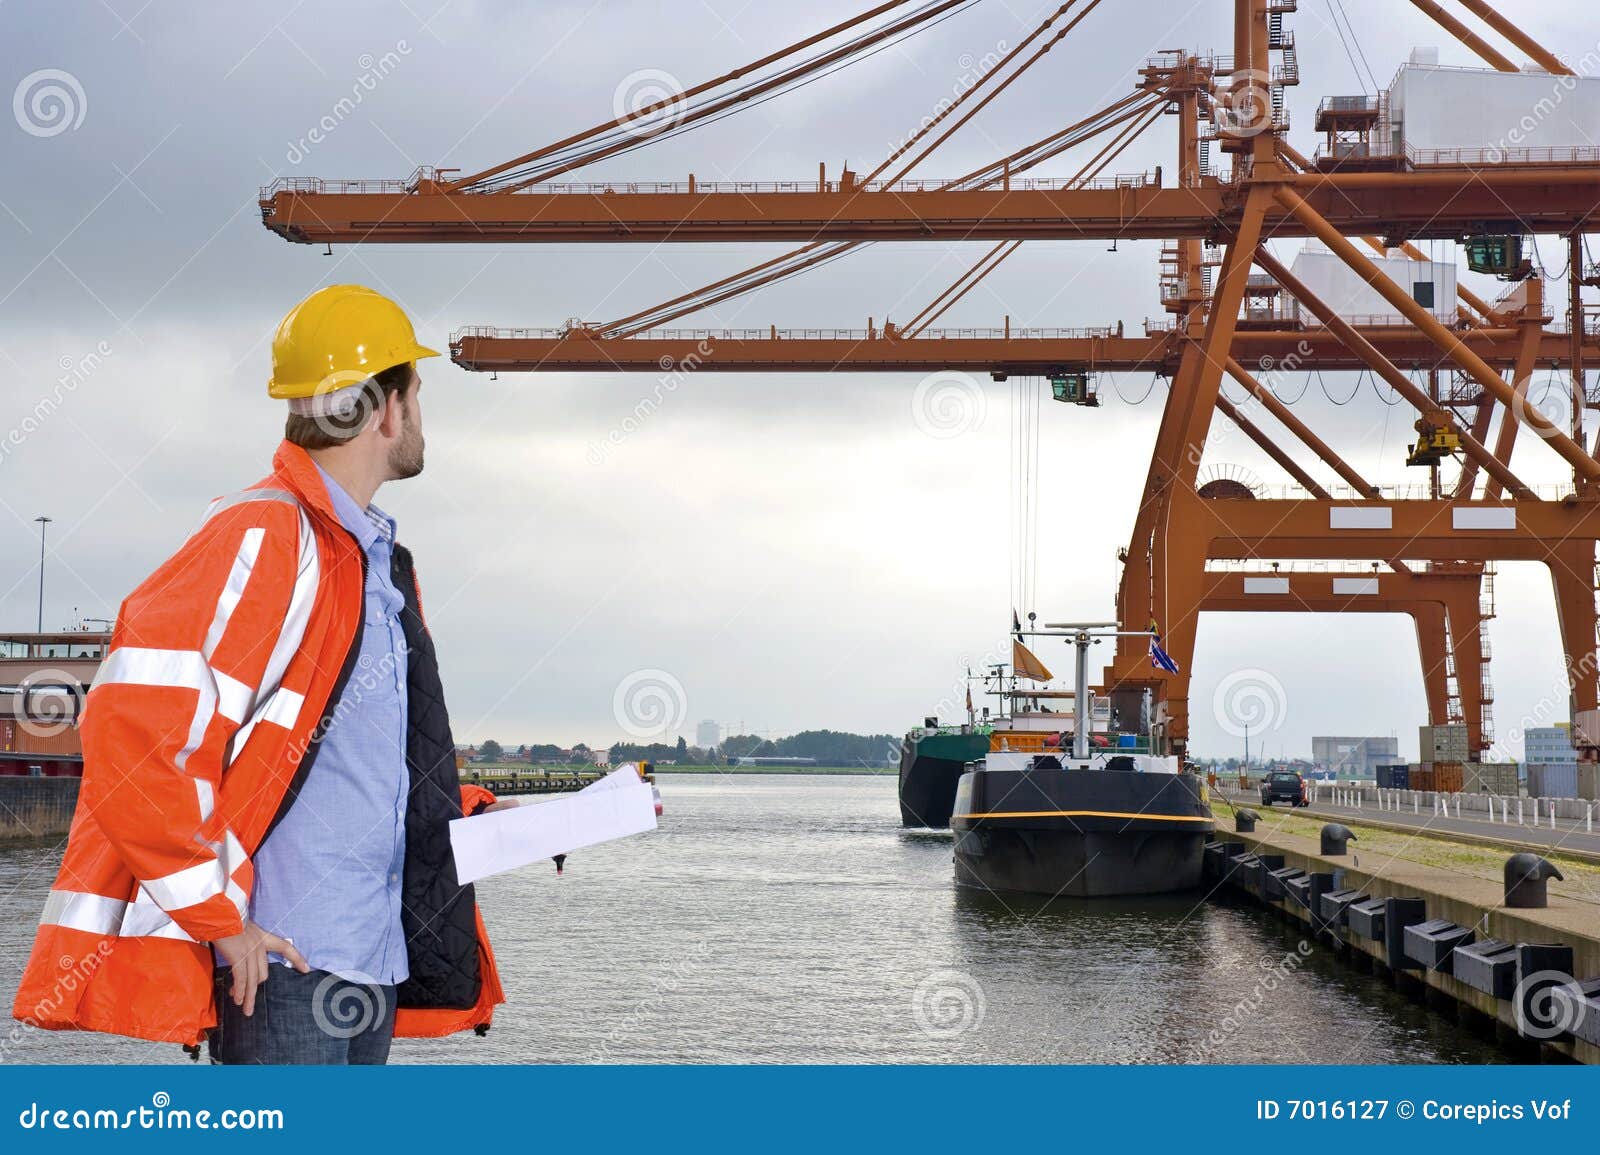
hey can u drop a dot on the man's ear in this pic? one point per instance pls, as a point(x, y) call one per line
point(391, 419)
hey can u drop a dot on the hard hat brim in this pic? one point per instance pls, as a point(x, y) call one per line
point(283, 391)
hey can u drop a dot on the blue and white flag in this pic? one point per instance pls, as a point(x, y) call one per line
point(1160, 659)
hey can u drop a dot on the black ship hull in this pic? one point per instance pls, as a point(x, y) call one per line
point(930, 766)
point(1081, 832)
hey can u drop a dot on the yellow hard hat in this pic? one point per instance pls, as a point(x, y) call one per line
point(337, 337)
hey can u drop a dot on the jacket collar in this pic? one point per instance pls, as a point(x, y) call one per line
point(296, 472)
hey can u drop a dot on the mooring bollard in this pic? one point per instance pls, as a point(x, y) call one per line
point(1526, 876)
point(1244, 820)
point(1334, 838)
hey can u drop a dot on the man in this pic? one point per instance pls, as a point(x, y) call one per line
point(261, 854)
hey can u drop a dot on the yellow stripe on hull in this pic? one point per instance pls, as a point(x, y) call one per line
point(1086, 814)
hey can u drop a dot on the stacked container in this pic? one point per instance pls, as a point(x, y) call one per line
point(44, 740)
point(1394, 777)
point(1421, 776)
point(1447, 743)
point(1556, 780)
point(1449, 777)
point(1493, 778)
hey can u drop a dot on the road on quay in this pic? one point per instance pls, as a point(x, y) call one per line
point(1567, 835)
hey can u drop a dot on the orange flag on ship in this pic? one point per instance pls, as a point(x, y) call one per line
point(1025, 665)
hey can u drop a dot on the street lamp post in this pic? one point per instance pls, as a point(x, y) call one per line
point(43, 522)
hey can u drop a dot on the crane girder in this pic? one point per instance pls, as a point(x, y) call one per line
point(975, 351)
point(1447, 203)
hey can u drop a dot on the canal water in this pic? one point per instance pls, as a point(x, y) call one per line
point(789, 919)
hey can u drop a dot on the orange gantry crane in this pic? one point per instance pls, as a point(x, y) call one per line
point(1226, 294)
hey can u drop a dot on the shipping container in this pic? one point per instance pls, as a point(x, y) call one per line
point(1421, 777)
point(1394, 777)
point(38, 739)
point(1445, 743)
point(1553, 780)
point(1449, 777)
point(1589, 780)
point(1492, 778)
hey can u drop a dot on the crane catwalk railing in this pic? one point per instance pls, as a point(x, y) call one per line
point(1470, 157)
point(1337, 567)
point(1151, 327)
point(1418, 491)
point(309, 184)
point(964, 334)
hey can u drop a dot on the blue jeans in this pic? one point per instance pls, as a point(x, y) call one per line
point(304, 1018)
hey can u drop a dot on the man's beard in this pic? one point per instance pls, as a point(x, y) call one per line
point(405, 459)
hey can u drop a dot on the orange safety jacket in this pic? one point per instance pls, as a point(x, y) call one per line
point(222, 667)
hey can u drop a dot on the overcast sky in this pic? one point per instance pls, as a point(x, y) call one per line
point(783, 551)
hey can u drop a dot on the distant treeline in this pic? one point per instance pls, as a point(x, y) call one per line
point(828, 747)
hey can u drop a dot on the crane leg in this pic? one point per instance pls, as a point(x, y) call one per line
point(1466, 639)
point(1572, 571)
point(1432, 646)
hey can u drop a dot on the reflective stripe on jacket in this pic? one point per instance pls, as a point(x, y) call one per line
point(203, 716)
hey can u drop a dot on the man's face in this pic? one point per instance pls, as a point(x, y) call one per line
point(405, 455)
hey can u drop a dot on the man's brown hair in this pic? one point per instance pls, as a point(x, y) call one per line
point(329, 431)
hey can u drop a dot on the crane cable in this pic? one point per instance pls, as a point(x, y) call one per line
point(810, 255)
point(1038, 55)
point(1117, 389)
point(625, 133)
point(1329, 395)
point(1025, 400)
point(745, 280)
point(969, 278)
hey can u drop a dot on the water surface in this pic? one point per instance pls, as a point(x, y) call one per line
point(789, 918)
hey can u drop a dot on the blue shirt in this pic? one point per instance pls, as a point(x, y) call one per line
point(328, 877)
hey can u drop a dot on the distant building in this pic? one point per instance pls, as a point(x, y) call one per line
point(1354, 757)
point(1548, 745)
point(708, 735)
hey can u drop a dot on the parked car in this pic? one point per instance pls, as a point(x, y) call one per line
point(1284, 787)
